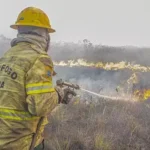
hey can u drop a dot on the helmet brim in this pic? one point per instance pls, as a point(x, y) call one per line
point(50, 30)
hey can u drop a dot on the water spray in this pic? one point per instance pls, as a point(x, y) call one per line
point(60, 83)
point(99, 95)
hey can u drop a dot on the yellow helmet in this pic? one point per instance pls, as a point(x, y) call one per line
point(32, 16)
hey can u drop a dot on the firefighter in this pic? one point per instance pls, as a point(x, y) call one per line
point(26, 89)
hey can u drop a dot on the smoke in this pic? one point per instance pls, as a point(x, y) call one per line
point(96, 80)
point(99, 80)
point(99, 53)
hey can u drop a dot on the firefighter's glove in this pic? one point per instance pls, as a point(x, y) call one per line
point(68, 95)
point(65, 94)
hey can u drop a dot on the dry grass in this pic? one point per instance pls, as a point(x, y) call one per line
point(108, 125)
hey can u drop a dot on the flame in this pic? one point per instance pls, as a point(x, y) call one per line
point(107, 66)
point(142, 94)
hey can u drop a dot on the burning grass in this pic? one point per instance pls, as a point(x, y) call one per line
point(108, 125)
point(106, 66)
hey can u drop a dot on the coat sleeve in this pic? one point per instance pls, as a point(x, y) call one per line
point(41, 95)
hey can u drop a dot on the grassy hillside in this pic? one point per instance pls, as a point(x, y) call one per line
point(108, 125)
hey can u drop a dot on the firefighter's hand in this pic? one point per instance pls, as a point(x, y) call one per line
point(68, 95)
point(65, 94)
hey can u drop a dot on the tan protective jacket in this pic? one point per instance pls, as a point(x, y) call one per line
point(26, 94)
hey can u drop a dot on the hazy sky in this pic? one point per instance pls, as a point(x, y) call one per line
point(111, 22)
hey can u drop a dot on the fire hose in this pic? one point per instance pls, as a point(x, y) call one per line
point(62, 83)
